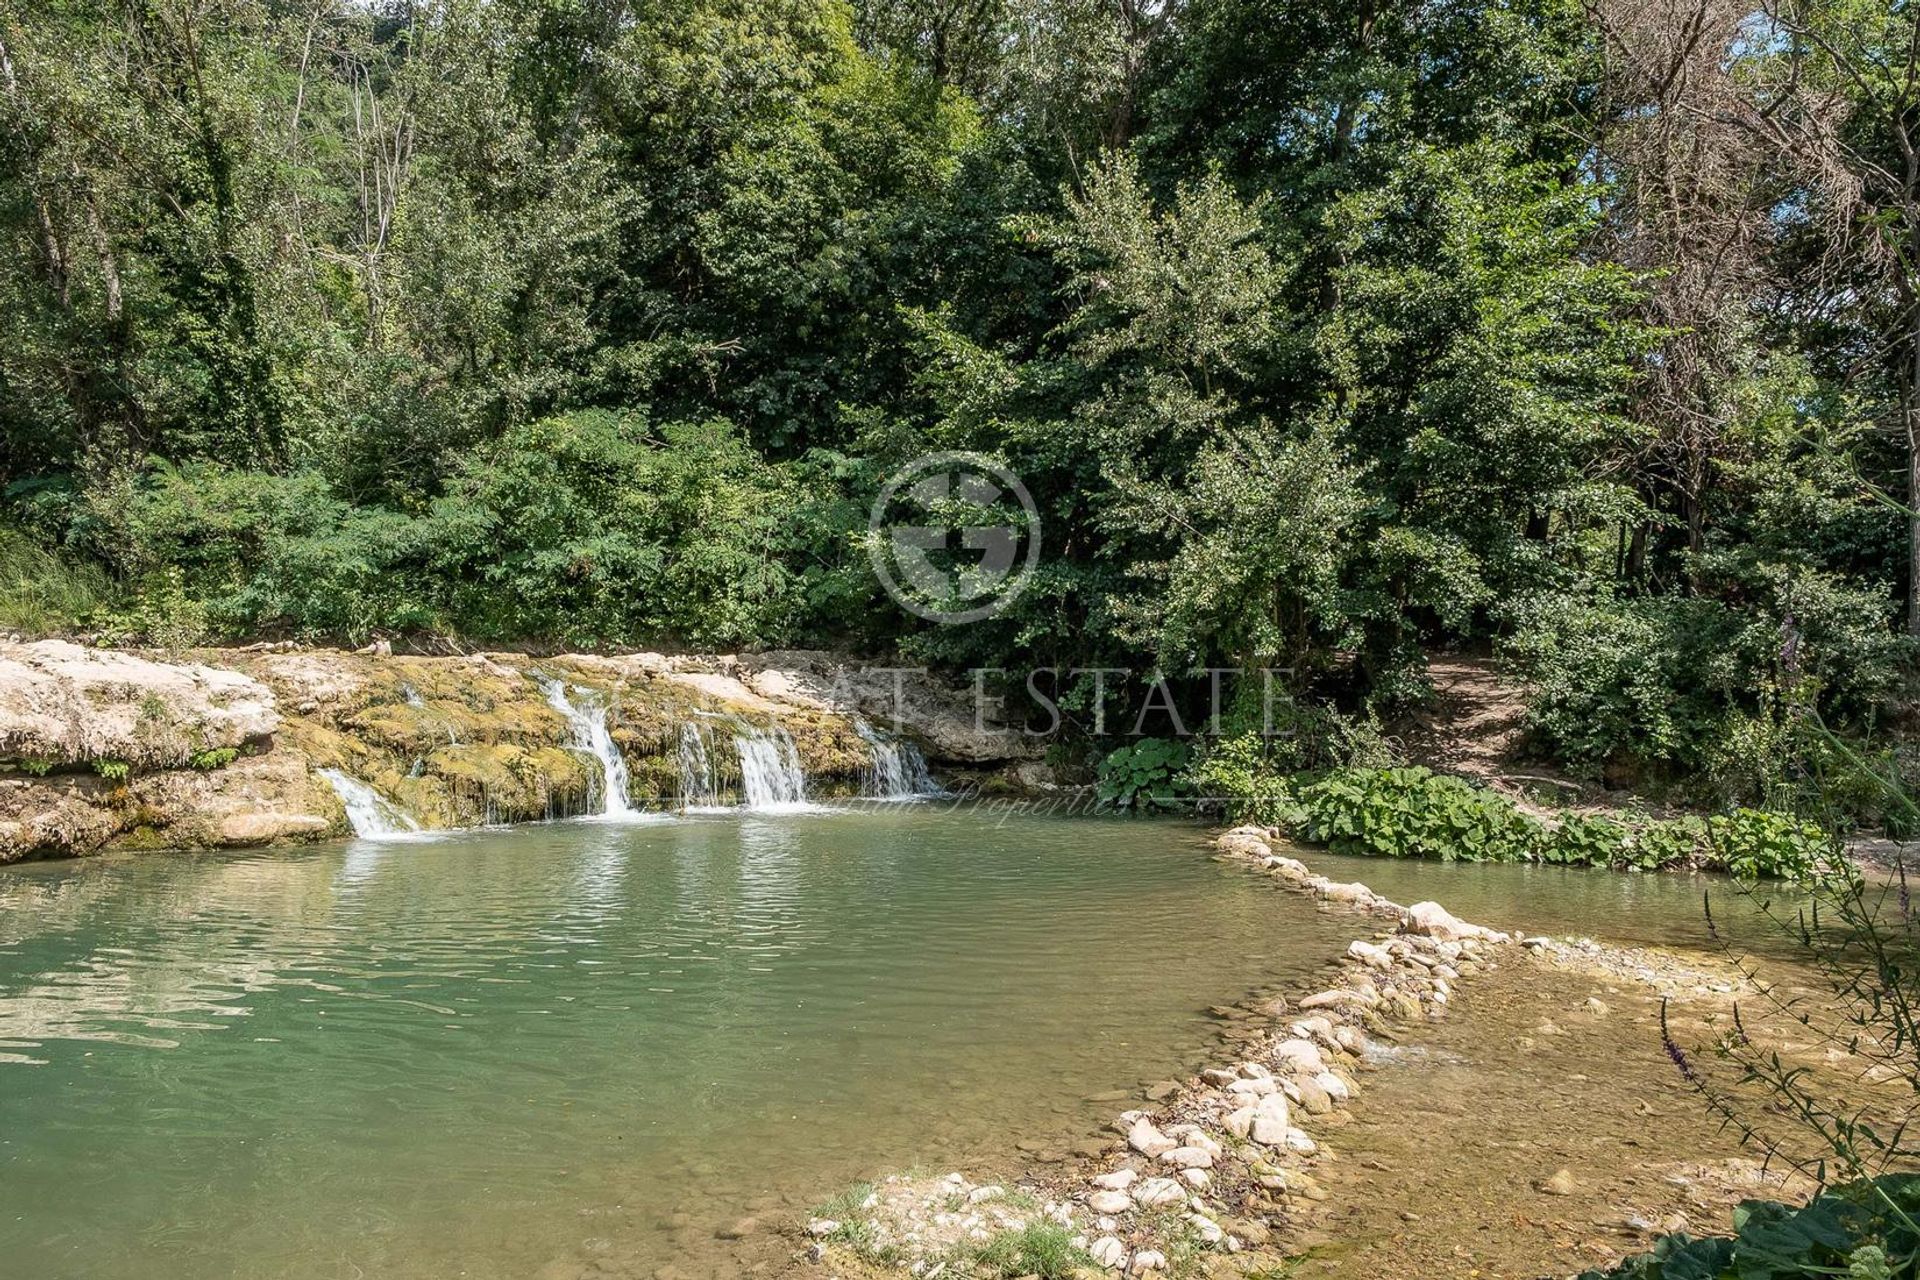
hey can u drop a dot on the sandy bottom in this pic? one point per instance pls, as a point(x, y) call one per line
point(1439, 1174)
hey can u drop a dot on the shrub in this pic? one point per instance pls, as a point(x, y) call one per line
point(1669, 843)
point(1414, 812)
point(1584, 841)
point(1144, 775)
point(1756, 845)
point(1864, 1230)
point(1243, 776)
point(1644, 679)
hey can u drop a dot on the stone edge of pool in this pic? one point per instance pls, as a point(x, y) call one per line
point(1234, 1133)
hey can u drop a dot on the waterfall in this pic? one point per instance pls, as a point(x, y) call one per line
point(770, 773)
point(897, 770)
point(589, 725)
point(699, 771)
point(371, 813)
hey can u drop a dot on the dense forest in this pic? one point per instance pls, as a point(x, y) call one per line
point(1325, 333)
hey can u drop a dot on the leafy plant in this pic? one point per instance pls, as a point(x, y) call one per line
point(1144, 775)
point(214, 758)
point(1861, 1231)
point(112, 770)
point(1243, 777)
point(1586, 841)
point(1414, 812)
point(1753, 844)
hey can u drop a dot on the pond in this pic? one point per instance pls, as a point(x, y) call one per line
point(500, 1052)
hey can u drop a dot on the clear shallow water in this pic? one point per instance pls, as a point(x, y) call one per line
point(520, 1052)
point(501, 1051)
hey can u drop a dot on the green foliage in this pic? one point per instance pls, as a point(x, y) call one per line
point(1583, 840)
point(1414, 812)
point(1642, 679)
point(1142, 776)
point(1318, 345)
point(214, 758)
point(1864, 1230)
point(1249, 779)
point(112, 770)
point(1042, 1248)
point(1755, 845)
point(44, 593)
point(588, 529)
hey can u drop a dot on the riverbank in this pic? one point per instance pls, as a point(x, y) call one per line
point(1270, 1159)
point(105, 749)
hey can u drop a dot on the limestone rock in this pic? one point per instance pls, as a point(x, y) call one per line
point(1145, 1138)
point(70, 705)
point(1154, 1192)
point(1561, 1183)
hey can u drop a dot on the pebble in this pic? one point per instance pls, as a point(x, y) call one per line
point(1118, 1180)
point(1110, 1202)
point(1561, 1183)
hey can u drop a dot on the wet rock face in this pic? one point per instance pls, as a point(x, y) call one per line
point(100, 748)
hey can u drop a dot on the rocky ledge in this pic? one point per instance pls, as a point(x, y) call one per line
point(103, 749)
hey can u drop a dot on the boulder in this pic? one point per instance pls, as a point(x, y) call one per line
point(1147, 1139)
point(1431, 920)
point(1154, 1192)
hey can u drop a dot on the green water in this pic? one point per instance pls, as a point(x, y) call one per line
point(582, 1047)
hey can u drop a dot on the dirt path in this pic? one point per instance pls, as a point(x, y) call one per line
point(1476, 726)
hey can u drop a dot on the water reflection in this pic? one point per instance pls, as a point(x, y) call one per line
point(470, 1054)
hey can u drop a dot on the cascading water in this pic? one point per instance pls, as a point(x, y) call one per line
point(370, 813)
point(699, 772)
point(770, 772)
point(896, 769)
point(589, 726)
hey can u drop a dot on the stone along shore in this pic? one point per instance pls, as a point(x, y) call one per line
point(1215, 1175)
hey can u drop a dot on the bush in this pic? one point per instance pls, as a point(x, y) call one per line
point(587, 529)
point(1584, 841)
point(1864, 1230)
point(1644, 679)
point(1245, 778)
point(1754, 845)
point(1144, 775)
point(1414, 812)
